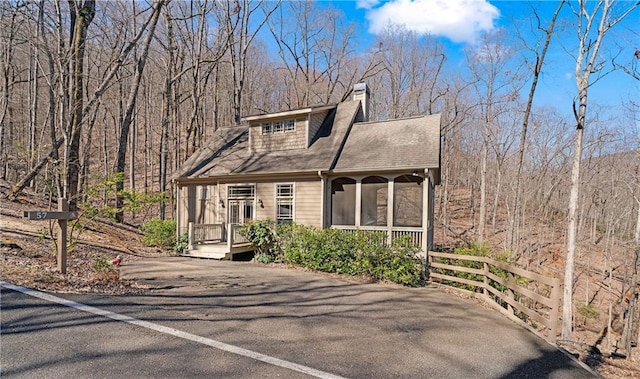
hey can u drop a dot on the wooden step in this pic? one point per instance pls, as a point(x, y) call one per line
point(204, 254)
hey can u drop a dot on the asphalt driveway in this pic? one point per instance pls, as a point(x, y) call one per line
point(343, 327)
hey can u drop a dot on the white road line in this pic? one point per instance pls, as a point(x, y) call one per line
point(174, 332)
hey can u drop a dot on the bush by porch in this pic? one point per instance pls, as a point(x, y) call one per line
point(338, 251)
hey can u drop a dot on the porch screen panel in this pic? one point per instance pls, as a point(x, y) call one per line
point(374, 201)
point(407, 201)
point(343, 201)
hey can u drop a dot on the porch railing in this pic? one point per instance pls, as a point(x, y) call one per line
point(202, 233)
point(528, 298)
point(215, 233)
point(415, 234)
point(234, 237)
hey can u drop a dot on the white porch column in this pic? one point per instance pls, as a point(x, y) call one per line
point(390, 186)
point(178, 213)
point(358, 201)
point(190, 238)
point(426, 189)
point(323, 200)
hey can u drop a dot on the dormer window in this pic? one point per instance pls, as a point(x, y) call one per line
point(279, 126)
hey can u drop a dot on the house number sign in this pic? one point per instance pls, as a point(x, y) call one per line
point(62, 215)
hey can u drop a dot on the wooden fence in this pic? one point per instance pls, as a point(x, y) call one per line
point(530, 299)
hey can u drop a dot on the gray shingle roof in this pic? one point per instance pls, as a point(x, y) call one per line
point(228, 153)
point(404, 143)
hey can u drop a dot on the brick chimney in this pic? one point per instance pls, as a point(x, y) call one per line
point(361, 92)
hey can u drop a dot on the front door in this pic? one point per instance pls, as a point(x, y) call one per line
point(240, 211)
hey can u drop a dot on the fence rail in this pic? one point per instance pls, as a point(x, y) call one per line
point(503, 286)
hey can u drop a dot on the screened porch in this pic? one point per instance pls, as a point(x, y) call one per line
point(395, 206)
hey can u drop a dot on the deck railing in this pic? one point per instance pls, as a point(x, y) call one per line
point(415, 234)
point(216, 233)
point(235, 237)
point(203, 233)
point(528, 298)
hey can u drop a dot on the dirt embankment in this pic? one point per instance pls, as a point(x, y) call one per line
point(28, 250)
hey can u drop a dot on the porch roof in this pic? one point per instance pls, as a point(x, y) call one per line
point(403, 143)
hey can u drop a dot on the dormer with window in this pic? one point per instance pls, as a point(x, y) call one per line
point(290, 130)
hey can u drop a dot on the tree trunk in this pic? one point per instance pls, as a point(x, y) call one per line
point(590, 38)
point(567, 304)
point(131, 104)
point(631, 311)
point(515, 222)
point(81, 16)
point(7, 58)
point(168, 96)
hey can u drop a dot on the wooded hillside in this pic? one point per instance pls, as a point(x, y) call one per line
point(102, 101)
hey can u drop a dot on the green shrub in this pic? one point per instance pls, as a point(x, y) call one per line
point(159, 233)
point(182, 243)
point(473, 249)
point(359, 253)
point(588, 311)
point(263, 258)
point(102, 265)
point(261, 234)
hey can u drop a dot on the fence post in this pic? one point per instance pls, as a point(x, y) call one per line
point(485, 278)
point(510, 285)
point(62, 237)
point(555, 309)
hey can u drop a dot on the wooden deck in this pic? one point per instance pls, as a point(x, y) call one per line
point(216, 241)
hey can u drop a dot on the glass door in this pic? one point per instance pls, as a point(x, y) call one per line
point(240, 211)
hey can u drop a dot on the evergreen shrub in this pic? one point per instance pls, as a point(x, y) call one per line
point(159, 233)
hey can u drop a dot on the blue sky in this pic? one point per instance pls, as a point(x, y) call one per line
point(458, 23)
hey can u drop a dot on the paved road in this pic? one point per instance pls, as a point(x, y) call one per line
point(239, 320)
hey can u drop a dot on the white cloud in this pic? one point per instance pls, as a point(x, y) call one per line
point(367, 4)
point(458, 20)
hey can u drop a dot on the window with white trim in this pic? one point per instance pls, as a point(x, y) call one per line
point(279, 126)
point(241, 192)
point(284, 203)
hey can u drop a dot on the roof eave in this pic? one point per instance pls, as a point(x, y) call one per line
point(294, 112)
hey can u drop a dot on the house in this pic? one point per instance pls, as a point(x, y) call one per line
point(324, 166)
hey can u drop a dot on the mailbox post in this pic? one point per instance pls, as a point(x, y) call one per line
point(62, 215)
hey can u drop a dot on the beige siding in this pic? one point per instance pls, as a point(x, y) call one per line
point(265, 192)
point(194, 207)
point(185, 197)
point(296, 139)
point(315, 122)
point(307, 203)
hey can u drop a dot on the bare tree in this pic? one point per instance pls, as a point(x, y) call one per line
point(496, 83)
point(314, 53)
point(8, 21)
point(410, 84)
point(237, 19)
point(594, 21)
point(131, 104)
point(536, 70)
